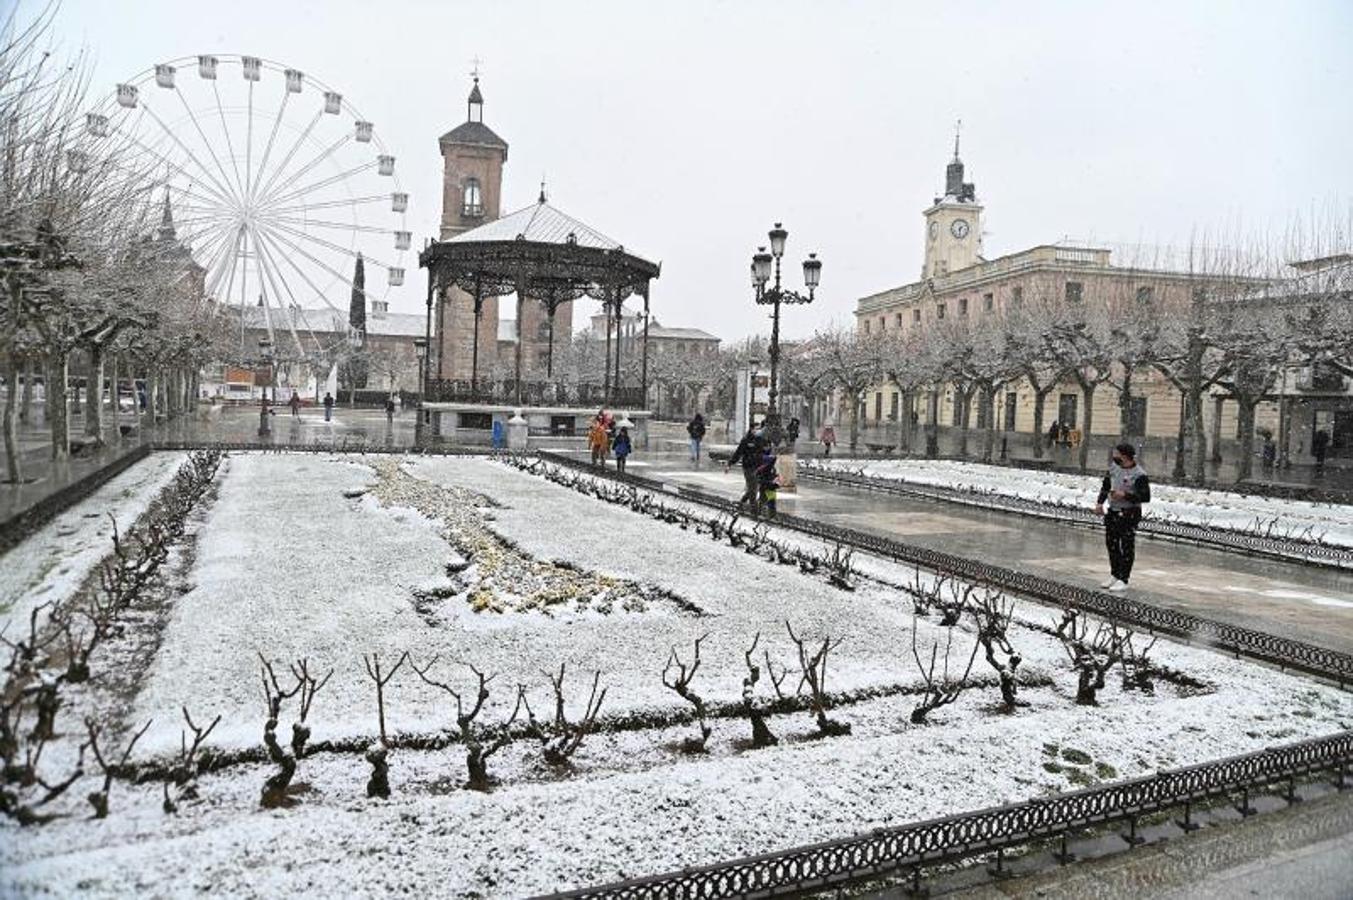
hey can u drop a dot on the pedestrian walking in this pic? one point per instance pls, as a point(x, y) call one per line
point(1320, 444)
point(389, 410)
point(328, 406)
point(1053, 432)
point(622, 449)
point(598, 441)
point(295, 404)
point(696, 429)
point(1269, 453)
point(792, 432)
point(767, 480)
point(828, 439)
point(1126, 487)
point(748, 455)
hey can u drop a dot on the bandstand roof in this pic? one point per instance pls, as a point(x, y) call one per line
point(541, 252)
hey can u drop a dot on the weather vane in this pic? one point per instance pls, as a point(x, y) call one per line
point(474, 72)
point(958, 126)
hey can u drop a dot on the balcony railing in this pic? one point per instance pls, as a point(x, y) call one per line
point(472, 210)
point(533, 393)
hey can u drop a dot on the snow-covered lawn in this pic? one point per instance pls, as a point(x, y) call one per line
point(1331, 523)
point(332, 557)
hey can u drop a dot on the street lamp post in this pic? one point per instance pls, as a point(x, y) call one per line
point(774, 296)
point(264, 425)
point(420, 348)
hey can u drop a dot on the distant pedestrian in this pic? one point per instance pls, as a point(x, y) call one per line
point(1126, 487)
point(622, 449)
point(1269, 453)
point(295, 404)
point(389, 410)
point(328, 406)
point(1053, 432)
point(1320, 444)
point(828, 439)
point(792, 432)
point(598, 440)
point(767, 480)
point(748, 454)
point(696, 430)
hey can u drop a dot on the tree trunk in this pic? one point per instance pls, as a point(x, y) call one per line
point(932, 426)
point(1181, 447)
point(12, 459)
point(26, 399)
point(1125, 404)
point(964, 422)
point(1216, 428)
point(989, 438)
point(1040, 399)
point(854, 421)
point(1088, 398)
point(57, 415)
point(1245, 462)
point(94, 414)
point(1198, 453)
point(112, 396)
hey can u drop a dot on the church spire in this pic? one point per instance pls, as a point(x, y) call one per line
point(954, 185)
point(167, 231)
point(475, 105)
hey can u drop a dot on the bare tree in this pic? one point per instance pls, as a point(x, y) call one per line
point(480, 742)
point(1092, 655)
point(560, 739)
point(761, 733)
point(680, 681)
point(944, 690)
point(991, 614)
point(814, 669)
point(183, 771)
point(854, 364)
point(99, 798)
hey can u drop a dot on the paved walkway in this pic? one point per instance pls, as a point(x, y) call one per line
point(1302, 602)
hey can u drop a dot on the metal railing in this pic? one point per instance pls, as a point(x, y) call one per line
point(24, 523)
point(1273, 546)
point(533, 393)
point(905, 849)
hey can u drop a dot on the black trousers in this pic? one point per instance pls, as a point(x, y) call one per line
point(1120, 535)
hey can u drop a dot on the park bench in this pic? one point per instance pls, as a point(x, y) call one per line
point(880, 448)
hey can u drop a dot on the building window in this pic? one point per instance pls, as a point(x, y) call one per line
point(988, 302)
point(1075, 292)
point(1017, 295)
point(1145, 295)
point(939, 310)
point(893, 413)
point(883, 324)
point(878, 406)
point(472, 205)
point(962, 306)
point(865, 324)
point(898, 320)
point(916, 315)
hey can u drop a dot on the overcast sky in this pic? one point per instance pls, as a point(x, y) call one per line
point(685, 129)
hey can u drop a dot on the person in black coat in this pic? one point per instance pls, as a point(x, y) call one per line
point(1126, 487)
point(748, 454)
point(696, 429)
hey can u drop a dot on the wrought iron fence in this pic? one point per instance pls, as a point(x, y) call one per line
point(533, 393)
point(18, 527)
point(904, 849)
point(1283, 652)
point(1275, 546)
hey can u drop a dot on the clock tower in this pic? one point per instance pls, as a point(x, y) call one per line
point(953, 225)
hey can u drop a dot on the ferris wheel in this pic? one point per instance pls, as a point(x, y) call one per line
point(275, 182)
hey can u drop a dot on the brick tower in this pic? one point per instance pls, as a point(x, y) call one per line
point(472, 180)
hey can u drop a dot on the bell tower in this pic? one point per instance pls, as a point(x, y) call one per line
point(472, 181)
point(953, 224)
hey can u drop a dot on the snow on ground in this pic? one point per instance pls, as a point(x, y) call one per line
point(52, 564)
point(286, 564)
point(1330, 522)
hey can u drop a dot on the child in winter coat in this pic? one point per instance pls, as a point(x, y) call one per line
point(598, 441)
point(622, 448)
point(768, 481)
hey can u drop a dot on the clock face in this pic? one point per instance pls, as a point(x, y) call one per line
point(959, 228)
point(934, 230)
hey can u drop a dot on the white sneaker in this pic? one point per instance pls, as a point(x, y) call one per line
point(1109, 583)
point(1118, 586)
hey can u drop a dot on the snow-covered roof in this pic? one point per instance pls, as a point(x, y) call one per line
point(688, 334)
point(542, 223)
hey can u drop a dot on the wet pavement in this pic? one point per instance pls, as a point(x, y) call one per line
point(1302, 602)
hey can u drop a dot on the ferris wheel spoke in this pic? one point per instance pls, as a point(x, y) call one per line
point(293, 177)
point(318, 223)
point(179, 169)
point(267, 150)
point(273, 240)
point(249, 149)
point(295, 145)
point(319, 185)
point(200, 133)
point(271, 275)
point(332, 204)
point(225, 191)
point(330, 245)
point(345, 278)
point(230, 144)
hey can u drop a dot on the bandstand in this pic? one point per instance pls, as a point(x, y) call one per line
point(546, 258)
